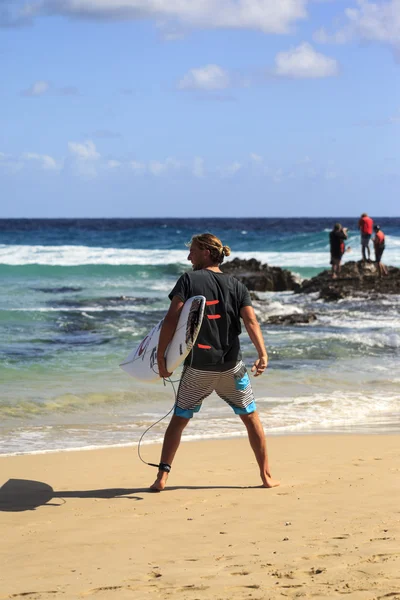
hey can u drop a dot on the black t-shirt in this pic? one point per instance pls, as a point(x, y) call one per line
point(217, 347)
point(336, 239)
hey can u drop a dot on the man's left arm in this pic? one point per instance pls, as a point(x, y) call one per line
point(167, 333)
point(255, 334)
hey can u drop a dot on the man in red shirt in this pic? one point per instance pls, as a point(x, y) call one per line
point(365, 225)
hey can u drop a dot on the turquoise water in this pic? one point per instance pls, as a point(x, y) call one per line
point(77, 296)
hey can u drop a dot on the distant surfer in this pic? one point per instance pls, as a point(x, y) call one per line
point(379, 246)
point(365, 225)
point(215, 363)
point(336, 239)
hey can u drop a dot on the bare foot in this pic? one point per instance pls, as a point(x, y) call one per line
point(160, 482)
point(268, 482)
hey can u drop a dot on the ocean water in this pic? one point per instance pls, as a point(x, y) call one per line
point(78, 295)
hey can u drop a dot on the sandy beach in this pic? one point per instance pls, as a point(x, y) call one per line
point(77, 524)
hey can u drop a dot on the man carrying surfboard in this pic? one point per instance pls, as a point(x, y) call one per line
point(215, 362)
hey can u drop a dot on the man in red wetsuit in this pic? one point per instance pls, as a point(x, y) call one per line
point(379, 245)
point(365, 225)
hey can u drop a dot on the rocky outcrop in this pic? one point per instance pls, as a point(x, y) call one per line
point(293, 319)
point(356, 278)
point(261, 277)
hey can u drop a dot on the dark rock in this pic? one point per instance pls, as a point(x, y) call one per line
point(259, 277)
point(294, 319)
point(330, 294)
point(356, 279)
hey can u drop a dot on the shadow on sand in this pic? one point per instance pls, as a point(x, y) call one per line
point(22, 494)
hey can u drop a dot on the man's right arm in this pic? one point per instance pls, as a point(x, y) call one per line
point(167, 333)
point(254, 330)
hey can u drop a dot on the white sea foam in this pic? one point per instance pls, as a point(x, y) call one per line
point(84, 255)
point(367, 323)
point(138, 308)
point(335, 411)
point(275, 309)
point(373, 340)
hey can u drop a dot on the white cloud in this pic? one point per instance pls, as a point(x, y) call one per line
point(137, 167)
point(210, 77)
point(169, 32)
point(10, 164)
point(84, 151)
point(306, 160)
point(198, 167)
point(339, 37)
point(278, 176)
point(86, 158)
point(269, 16)
point(372, 21)
point(48, 163)
point(230, 170)
point(256, 158)
point(40, 88)
point(113, 164)
point(304, 62)
point(37, 89)
point(158, 168)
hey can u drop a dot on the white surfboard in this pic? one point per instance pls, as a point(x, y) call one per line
point(141, 363)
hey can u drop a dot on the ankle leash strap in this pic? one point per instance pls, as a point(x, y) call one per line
point(165, 467)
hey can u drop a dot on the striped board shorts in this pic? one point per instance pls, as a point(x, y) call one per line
point(233, 386)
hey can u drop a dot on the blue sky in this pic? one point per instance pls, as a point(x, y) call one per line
point(135, 108)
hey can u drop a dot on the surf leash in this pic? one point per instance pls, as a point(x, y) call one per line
point(161, 466)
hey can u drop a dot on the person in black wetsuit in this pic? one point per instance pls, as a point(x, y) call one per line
point(215, 362)
point(336, 240)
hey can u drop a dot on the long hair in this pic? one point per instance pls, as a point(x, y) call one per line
point(208, 241)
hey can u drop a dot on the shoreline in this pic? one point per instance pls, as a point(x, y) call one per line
point(79, 524)
point(195, 440)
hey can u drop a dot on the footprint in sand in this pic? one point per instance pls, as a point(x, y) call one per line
point(154, 575)
point(25, 594)
point(191, 559)
point(106, 588)
point(376, 558)
point(253, 587)
point(197, 588)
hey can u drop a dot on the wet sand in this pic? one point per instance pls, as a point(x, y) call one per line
point(77, 524)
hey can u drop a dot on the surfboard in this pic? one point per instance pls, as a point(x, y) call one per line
point(141, 363)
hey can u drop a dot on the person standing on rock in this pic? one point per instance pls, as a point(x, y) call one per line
point(336, 240)
point(215, 363)
point(379, 246)
point(365, 225)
